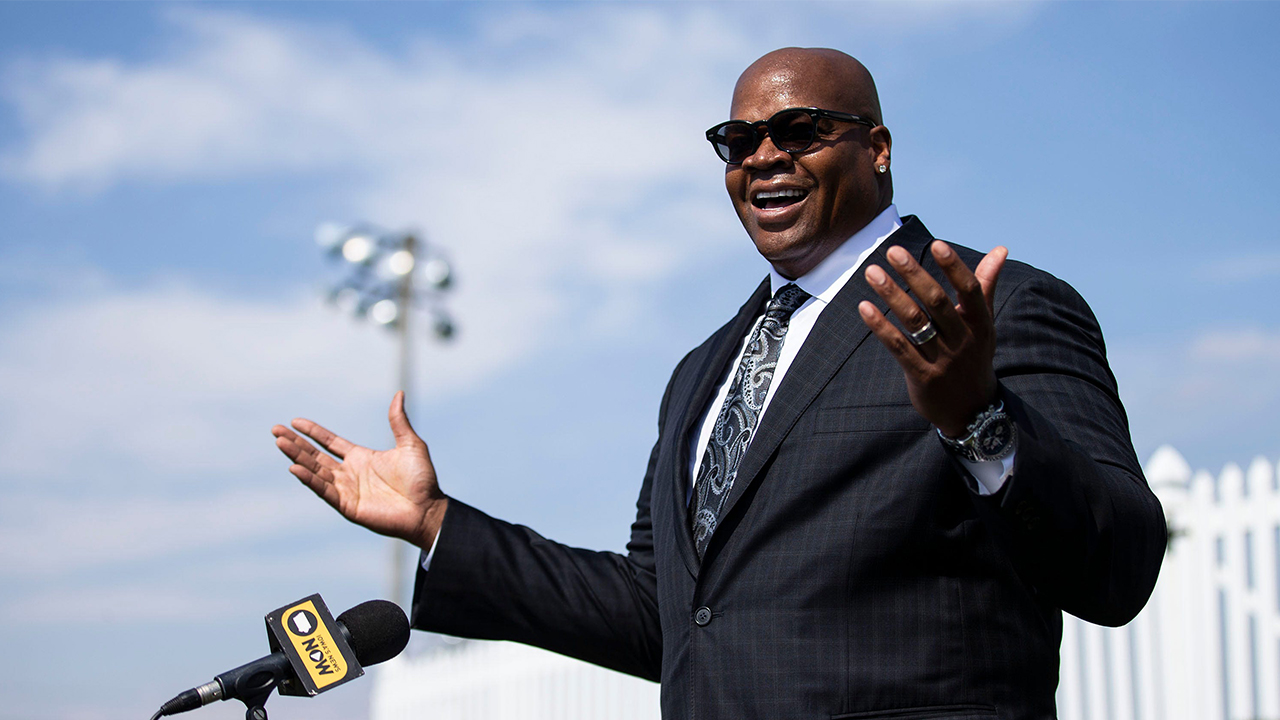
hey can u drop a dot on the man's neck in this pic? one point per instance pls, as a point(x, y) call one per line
point(846, 257)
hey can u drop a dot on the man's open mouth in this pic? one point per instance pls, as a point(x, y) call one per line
point(767, 199)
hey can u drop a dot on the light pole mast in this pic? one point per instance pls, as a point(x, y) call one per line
point(399, 548)
point(380, 286)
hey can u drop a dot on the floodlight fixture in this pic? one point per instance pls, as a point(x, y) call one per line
point(384, 312)
point(393, 272)
point(357, 249)
point(400, 262)
point(438, 273)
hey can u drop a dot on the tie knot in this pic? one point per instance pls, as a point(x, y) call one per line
point(787, 299)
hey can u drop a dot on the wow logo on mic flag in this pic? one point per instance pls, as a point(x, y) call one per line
point(307, 634)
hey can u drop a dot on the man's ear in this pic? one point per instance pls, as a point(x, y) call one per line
point(881, 143)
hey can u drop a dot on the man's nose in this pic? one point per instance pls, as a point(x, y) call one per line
point(766, 156)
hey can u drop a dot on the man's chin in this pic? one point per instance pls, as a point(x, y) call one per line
point(777, 245)
point(793, 253)
point(790, 262)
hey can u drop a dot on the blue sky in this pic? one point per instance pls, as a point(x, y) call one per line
point(163, 167)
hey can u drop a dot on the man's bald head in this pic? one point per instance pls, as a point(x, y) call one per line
point(830, 72)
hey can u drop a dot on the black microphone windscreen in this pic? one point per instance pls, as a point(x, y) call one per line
point(379, 630)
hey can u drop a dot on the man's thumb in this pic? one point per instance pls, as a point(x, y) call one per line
point(988, 272)
point(400, 426)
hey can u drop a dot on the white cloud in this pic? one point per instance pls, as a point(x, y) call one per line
point(118, 602)
point(1211, 395)
point(174, 382)
point(241, 96)
point(1244, 268)
point(247, 96)
point(1251, 345)
point(53, 536)
point(994, 15)
point(1213, 368)
point(193, 589)
point(586, 164)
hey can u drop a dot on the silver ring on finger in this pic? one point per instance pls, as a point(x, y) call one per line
point(924, 334)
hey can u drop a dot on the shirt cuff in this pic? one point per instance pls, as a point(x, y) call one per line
point(424, 558)
point(990, 474)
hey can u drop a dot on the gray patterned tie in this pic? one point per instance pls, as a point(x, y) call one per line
point(736, 423)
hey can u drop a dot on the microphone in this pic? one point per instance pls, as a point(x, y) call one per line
point(376, 631)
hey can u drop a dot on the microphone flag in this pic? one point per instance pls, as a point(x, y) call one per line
point(321, 656)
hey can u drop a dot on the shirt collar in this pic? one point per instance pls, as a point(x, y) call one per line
point(830, 276)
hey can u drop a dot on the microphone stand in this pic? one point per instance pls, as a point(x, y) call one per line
point(252, 683)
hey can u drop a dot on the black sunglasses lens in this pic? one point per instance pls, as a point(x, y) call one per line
point(792, 131)
point(736, 142)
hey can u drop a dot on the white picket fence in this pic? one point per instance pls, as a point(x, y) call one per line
point(1207, 646)
point(476, 680)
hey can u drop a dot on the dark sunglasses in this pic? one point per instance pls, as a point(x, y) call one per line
point(792, 130)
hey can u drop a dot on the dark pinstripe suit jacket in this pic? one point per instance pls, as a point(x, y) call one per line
point(854, 574)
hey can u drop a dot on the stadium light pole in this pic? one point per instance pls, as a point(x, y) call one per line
point(379, 285)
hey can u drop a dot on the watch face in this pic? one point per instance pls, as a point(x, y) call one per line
point(994, 437)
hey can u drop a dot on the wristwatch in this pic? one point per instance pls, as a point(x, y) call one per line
point(991, 436)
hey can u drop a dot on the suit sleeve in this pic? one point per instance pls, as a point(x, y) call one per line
point(493, 580)
point(1076, 516)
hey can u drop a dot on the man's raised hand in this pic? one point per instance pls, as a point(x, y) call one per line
point(950, 377)
point(392, 492)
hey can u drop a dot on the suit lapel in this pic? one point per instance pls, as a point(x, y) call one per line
point(713, 369)
point(838, 332)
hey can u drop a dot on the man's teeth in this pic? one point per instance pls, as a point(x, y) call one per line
point(778, 198)
point(778, 194)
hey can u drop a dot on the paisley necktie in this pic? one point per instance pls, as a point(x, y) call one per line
point(740, 414)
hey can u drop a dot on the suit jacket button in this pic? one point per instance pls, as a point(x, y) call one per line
point(702, 616)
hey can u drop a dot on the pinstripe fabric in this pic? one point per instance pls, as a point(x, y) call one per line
point(853, 574)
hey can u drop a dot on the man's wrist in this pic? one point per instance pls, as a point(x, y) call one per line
point(432, 521)
point(992, 435)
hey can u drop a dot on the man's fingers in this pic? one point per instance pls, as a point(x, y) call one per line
point(988, 272)
point(327, 440)
point(290, 448)
point(935, 300)
point(899, 346)
point(293, 439)
point(910, 314)
point(294, 446)
point(399, 420)
point(305, 455)
point(308, 478)
point(968, 288)
point(318, 485)
point(913, 317)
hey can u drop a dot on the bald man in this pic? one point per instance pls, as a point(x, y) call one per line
point(831, 524)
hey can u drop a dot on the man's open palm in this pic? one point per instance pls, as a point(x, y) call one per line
point(392, 492)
